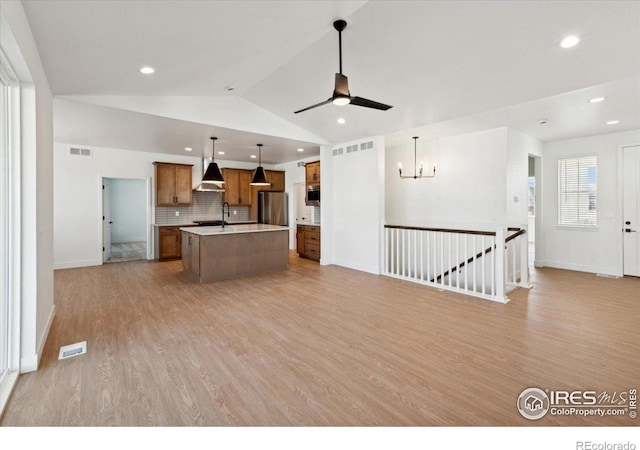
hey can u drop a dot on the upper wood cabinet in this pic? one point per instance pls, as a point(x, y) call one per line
point(276, 178)
point(173, 184)
point(237, 185)
point(312, 170)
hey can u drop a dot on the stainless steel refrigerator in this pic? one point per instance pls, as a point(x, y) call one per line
point(273, 208)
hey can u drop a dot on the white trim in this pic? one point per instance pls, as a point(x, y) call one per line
point(11, 380)
point(74, 264)
point(620, 167)
point(29, 363)
point(45, 333)
point(581, 268)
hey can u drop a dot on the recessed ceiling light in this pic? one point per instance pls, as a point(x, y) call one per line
point(300, 149)
point(613, 122)
point(569, 41)
point(253, 156)
point(187, 149)
point(596, 100)
point(341, 121)
point(220, 153)
point(147, 70)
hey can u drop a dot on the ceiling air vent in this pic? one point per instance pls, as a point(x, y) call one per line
point(80, 151)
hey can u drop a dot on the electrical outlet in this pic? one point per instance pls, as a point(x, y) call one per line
point(235, 212)
point(177, 213)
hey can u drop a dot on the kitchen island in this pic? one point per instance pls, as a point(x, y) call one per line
point(217, 253)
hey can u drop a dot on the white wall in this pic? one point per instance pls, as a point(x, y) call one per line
point(519, 147)
point(77, 195)
point(469, 189)
point(596, 251)
point(37, 309)
point(128, 210)
point(352, 206)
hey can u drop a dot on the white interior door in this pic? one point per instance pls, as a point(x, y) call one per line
point(106, 220)
point(631, 210)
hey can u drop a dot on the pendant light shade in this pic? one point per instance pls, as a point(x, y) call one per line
point(259, 177)
point(213, 174)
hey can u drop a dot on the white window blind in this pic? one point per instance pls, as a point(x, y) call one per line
point(577, 191)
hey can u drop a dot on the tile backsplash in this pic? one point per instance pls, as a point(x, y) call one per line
point(316, 214)
point(205, 206)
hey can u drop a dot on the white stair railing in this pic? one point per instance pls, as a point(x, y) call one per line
point(464, 261)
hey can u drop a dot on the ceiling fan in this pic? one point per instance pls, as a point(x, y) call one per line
point(341, 95)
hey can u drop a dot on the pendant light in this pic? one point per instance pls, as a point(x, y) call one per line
point(213, 174)
point(416, 174)
point(259, 177)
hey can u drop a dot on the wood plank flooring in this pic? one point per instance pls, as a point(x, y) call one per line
point(322, 346)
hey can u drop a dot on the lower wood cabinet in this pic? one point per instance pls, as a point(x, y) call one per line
point(191, 253)
point(308, 241)
point(168, 242)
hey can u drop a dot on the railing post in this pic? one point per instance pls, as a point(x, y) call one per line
point(524, 258)
point(499, 274)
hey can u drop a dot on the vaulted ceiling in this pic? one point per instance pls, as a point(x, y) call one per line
point(470, 64)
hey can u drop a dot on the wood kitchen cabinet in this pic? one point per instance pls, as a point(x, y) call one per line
point(237, 186)
point(276, 178)
point(312, 171)
point(169, 242)
point(173, 184)
point(308, 241)
point(191, 252)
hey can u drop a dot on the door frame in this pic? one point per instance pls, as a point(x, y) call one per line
point(150, 209)
point(620, 221)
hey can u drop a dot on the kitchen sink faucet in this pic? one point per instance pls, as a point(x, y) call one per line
point(228, 212)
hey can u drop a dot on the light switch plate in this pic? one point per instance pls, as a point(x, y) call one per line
point(177, 213)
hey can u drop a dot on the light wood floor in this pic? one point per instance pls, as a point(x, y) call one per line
point(322, 346)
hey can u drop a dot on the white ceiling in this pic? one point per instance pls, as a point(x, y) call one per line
point(443, 65)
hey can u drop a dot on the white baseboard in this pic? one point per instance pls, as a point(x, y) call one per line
point(361, 267)
point(581, 267)
point(74, 264)
point(45, 332)
point(29, 363)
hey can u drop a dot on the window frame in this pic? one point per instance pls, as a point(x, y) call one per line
point(576, 226)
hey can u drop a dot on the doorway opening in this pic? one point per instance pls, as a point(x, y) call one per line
point(534, 210)
point(124, 219)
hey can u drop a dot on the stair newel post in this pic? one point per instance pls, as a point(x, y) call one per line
point(499, 275)
point(524, 257)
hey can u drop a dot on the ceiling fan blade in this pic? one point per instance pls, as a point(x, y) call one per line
point(359, 101)
point(341, 86)
point(313, 106)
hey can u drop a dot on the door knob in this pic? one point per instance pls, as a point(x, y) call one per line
point(110, 221)
point(629, 230)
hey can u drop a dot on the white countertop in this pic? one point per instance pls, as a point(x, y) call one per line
point(308, 222)
point(233, 229)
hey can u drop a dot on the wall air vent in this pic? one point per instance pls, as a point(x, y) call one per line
point(352, 148)
point(80, 151)
point(337, 151)
point(366, 145)
point(300, 164)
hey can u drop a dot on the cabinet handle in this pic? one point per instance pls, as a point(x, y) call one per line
point(189, 240)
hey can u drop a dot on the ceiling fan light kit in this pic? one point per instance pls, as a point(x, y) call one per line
point(416, 174)
point(341, 95)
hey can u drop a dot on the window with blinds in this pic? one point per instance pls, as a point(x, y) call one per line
point(577, 191)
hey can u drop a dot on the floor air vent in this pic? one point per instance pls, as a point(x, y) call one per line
point(69, 351)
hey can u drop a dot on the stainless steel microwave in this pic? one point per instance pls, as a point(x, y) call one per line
point(313, 196)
